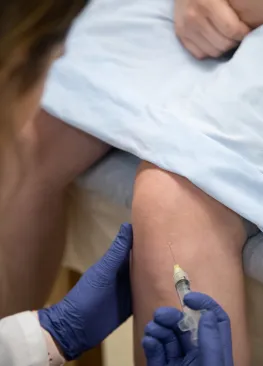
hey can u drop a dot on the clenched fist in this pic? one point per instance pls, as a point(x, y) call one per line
point(208, 28)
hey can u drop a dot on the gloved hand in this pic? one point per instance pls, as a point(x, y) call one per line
point(208, 28)
point(97, 305)
point(165, 345)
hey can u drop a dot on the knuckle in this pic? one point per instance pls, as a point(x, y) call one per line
point(231, 31)
point(191, 16)
point(149, 328)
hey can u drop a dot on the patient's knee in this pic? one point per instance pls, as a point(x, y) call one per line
point(175, 222)
point(163, 199)
point(59, 152)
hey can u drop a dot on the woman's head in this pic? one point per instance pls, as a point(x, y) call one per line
point(31, 36)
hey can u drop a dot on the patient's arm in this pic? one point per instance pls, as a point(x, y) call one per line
point(250, 11)
point(207, 241)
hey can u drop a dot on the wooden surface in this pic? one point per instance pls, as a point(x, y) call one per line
point(66, 280)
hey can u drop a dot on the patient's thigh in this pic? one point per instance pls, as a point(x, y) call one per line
point(206, 240)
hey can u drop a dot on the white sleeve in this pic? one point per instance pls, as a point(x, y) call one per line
point(22, 342)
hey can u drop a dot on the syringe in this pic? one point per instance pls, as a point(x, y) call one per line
point(191, 317)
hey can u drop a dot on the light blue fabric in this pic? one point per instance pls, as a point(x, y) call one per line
point(127, 80)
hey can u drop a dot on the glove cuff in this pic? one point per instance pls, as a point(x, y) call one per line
point(52, 324)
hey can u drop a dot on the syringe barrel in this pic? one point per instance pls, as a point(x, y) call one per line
point(182, 288)
point(191, 318)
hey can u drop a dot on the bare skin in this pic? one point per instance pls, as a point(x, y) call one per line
point(48, 155)
point(206, 240)
point(249, 11)
point(208, 28)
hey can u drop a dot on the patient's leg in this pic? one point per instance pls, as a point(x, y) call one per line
point(45, 160)
point(207, 241)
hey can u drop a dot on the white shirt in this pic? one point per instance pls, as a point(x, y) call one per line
point(22, 341)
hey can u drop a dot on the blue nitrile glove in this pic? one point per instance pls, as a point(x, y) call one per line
point(97, 305)
point(165, 345)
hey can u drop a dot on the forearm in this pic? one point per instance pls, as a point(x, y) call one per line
point(249, 11)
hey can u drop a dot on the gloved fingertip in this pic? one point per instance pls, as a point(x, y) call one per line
point(168, 317)
point(149, 328)
point(163, 334)
point(152, 347)
point(125, 235)
point(123, 240)
point(149, 343)
point(198, 301)
point(209, 320)
point(119, 252)
point(126, 229)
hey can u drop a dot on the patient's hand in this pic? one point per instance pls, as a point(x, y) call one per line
point(208, 28)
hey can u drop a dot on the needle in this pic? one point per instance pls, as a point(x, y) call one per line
point(170, 246)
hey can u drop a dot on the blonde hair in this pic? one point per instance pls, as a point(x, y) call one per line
point(34, 27)
point(29, 32)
